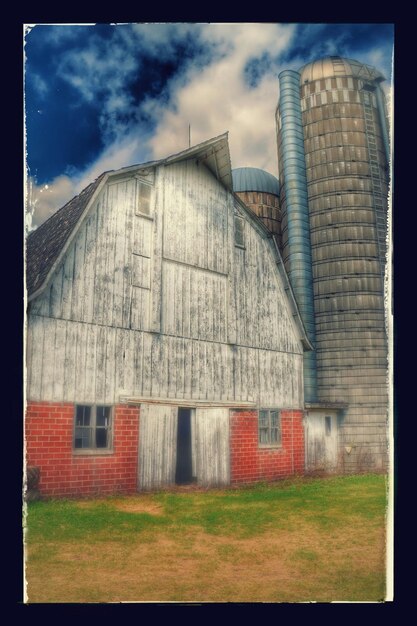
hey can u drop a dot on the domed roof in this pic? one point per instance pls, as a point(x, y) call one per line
point(329, 67)
point(254, 179)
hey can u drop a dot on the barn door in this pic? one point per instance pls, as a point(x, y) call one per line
point(157, 445)
point(212, 446)
point(321, 440)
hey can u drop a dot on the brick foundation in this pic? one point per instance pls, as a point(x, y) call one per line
point(49, 432)
point(250, 463)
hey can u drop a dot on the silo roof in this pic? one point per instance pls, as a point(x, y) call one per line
point(254, 179)
point(329, 67)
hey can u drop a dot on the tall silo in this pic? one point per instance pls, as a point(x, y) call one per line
point(333, 157)
point(259, 190)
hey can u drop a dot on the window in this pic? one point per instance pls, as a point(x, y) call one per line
point(269, 427)
point(144, 198)
point(328, 425)
point(92, 427)
point(239, 231)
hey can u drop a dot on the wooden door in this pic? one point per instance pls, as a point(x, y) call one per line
point(157, 445)
point(321, 441)
point(212, 449)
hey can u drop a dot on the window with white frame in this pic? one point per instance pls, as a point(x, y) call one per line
point(92, 427)
point(269, 427)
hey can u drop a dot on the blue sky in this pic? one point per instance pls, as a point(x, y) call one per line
point(100, 97)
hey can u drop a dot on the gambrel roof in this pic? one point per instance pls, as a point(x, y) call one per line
point(47, 245)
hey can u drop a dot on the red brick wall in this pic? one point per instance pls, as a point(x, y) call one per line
point(250, 463)
point(49, 431)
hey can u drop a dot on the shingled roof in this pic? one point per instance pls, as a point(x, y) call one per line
point(44, 245)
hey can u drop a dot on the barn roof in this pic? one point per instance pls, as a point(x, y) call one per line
point(47, 244)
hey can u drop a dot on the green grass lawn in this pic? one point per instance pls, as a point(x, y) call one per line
point(298, 540)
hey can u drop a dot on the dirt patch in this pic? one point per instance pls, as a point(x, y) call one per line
point(138, 506)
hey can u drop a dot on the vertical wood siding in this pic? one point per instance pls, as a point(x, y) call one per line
point(321, 449)
point(165, 305)
point(157, 445)
point(212, 446)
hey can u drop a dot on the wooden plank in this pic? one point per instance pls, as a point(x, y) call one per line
point(195, 370)
point(112, 209)
point(138, 362)
point(188, 367)
point(147, 364)
point(67, 279)
point(119, 364)
point(35, 341)
point(90, 364)
point(172, 368)
point(80, 374)
point(156, 373)
point(130, 221)
point(101, 364)
point(71, 345)
point(157, 446)
point(212, 446)
point(141, 271)
point(77, 299)
point(130, 340)
point(177, 272)
point(100, 260)
point(90, 266)
point(59, 360)
point(120, 234)
point(156, 256)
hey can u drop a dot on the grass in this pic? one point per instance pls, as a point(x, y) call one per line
point(300, 540)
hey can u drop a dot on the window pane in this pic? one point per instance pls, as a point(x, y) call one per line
point(82, 437)
point(83, 415)
point(263, 419)
point(328, 424)
point(101, 437)
point(144, 198)
point(102, 416)
point(263, 435)
point(274, 435)
point(239, 229)
point(274, 419)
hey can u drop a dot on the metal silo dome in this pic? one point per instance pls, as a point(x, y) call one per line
point(259, 190)
point(254, 179)
point(333, 66)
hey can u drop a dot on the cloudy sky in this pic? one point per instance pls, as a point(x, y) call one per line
point(101, 97)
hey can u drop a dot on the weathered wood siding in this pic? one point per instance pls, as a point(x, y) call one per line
point(321, 446)
point(164, 304)
point(212, 446)
point(157, 445)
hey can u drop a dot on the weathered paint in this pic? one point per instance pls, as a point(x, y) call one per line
point(321, 440)
point(165, 305)
point(157, 445)
point(212, 446)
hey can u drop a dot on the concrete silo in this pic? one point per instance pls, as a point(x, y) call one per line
point(259, 190)
point(333, 155)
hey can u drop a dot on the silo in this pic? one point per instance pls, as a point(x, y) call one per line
point(259, 190)
point(345, 151)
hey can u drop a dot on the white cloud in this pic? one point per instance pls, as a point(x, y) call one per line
point(44, 200)
point(217, 98)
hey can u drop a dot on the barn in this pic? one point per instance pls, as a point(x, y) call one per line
point(164, 343)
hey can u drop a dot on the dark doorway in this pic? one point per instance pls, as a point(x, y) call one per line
point(184, 471)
